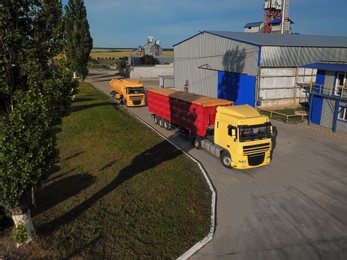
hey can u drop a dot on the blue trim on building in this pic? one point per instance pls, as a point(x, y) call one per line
point(255, 24)
point(332, 66)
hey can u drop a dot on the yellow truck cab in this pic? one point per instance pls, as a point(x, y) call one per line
point(129, 92)
point(245, 136)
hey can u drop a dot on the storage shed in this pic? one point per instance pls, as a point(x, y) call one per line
point(253, 68)
point(254, 27)
point(328, 95)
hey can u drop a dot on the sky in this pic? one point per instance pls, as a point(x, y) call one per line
point(128, 23)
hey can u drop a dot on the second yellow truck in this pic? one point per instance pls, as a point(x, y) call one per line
point(129, 92)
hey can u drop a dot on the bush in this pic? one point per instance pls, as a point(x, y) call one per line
point(20, 233)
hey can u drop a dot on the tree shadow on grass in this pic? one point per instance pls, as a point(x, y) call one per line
point(149, 159)
point(78, 108)
point(61, 190)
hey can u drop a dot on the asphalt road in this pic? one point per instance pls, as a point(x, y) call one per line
point(294, 208)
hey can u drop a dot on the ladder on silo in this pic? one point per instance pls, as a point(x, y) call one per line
point(285, 19)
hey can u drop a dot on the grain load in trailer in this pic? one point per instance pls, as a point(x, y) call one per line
point(190, 111)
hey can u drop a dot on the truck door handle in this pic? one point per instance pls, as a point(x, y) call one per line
point(228, 146)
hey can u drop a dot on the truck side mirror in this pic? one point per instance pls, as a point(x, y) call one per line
point(232, 131)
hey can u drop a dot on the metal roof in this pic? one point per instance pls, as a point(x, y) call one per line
point(287, 40)
point(279, 20)
point(255, 24)
point(329, 66)
point(275, 21)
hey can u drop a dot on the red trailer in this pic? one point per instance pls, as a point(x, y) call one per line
point(192, 112)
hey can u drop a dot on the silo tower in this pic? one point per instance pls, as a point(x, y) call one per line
point(273, 11)
point(276, 11)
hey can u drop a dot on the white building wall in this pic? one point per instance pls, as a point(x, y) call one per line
point(279, 86)
point(151, 71)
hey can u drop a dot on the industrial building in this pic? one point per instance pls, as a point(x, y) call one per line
point(253, 68)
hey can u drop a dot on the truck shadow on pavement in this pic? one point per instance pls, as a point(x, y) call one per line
point(150, 158)
point(274, 138)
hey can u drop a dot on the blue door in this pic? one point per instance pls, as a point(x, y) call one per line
point(236, 87)
point(316, 102)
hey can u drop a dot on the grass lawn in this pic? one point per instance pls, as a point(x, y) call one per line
point(119, 191)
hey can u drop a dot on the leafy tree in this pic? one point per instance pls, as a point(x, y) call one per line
point(78, 42)
point(35, 97)
point(122, 65)
point(149, 60)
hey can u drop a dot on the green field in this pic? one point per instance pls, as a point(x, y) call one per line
point(113, 54)
point(120, 191)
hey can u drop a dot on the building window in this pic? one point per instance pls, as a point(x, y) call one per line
point(342, 113)
point(340, 82)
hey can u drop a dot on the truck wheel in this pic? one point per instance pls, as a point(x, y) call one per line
point(225, 158)
point(197, 142)
point(156, 119)
point(167, 125)
point(161, 122)
point(123, 101)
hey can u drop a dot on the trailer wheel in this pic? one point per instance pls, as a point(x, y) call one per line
point(197, 142)
point(225, 158)
point(156, 119)
point(167, 124)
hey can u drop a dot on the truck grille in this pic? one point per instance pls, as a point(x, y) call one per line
point(255, 149)
point(256, 159)
point(137, 102)
point(135, 98)
point(256, 153)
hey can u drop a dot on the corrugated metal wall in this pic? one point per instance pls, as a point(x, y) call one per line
point(328, 113)
point(199, 59)
point(327, 116)
point(280, 56)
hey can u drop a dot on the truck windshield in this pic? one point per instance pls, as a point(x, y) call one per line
point(135, 90)
point(256, 132)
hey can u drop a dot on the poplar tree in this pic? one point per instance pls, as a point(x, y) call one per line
point(78, 41)
point(34, 98)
